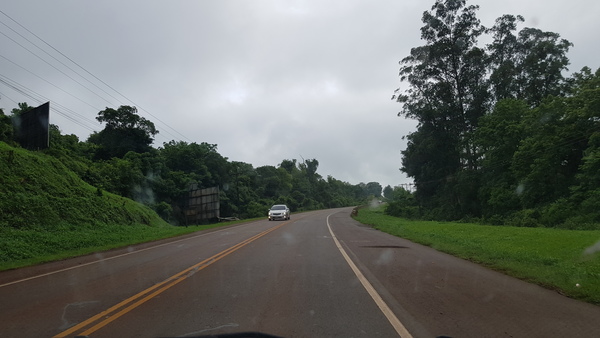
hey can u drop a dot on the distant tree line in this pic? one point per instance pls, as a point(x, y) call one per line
point(502, 135)
point(121, 159)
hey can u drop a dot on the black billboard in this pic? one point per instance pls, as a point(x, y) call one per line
point(32, 128)
point(203, 205)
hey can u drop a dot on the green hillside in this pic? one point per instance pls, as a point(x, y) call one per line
point(48, 212)
point(39, 192)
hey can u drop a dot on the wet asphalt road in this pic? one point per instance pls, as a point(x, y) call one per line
point(285, 278)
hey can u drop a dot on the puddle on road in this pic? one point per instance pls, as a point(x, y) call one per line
point(72, 313)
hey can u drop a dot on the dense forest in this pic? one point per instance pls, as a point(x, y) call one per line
point(503, 134)
point(122, 160)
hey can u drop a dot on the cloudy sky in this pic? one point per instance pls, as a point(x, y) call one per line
point(264, 80)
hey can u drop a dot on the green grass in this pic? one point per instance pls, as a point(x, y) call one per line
point(38, 192)
point(48, 213)
point(25, 247)
point(553, 258)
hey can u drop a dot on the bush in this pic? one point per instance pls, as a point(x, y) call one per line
point(556, 213)
point(582, 222)
point(494, 220)
point(164, 210)
point(255, 209)
point(400, 209)
point(527, 218)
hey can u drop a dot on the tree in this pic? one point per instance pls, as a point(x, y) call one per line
point(402, 204)
point(311, 166)
point(388, 192)
point(452, 85)
point(431, 159)
point(543, 160)
point(240, 191)
point(6, 128)
point(124, 131)
point(499, 136)
point(289, 165)
point(560, 132)
point(186, 163)
point(58, 140)
point(502, 57)
point(120, 176)
point(7, 122)
point(270, 182)
point(23, 108)
point(374, 189)
point(446, 77)
point(541, 61)
point(527, 66)
point(447, 93)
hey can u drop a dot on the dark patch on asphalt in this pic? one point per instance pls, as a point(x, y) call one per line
point(385, 246)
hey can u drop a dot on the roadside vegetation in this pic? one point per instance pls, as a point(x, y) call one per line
point(504, 137)
point(507, 144)
point(567, 261)
point(504, 134)
point(48, 213)
point(120, 159)
point(114, 189)
point(25, 247)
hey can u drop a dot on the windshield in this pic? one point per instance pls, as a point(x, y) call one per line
point(446, 151)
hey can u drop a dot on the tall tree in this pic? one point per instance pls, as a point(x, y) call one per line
point(527, 66)
point(374, 188)
point(388, 192)
point(502, 57)
point(542, 59)
point(447, 93)
point(452, 85)
point(499, 135)
point(23, 108)
point(124, 131)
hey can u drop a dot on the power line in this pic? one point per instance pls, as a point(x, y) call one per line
point(85, 70)
point(2, 95)
point(50, 83)
point(30, 93)
point(39, 99)
point(51, 65)
point(50, 55)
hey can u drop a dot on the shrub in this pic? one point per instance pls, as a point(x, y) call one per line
point(556, 213)
point(524, 218)
point(400, 209)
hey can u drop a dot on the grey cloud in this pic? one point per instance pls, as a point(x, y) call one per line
point(264, 80)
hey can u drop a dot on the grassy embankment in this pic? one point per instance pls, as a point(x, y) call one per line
point(48, 213)
point(553, 258)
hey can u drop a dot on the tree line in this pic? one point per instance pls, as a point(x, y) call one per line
point(121, 159)
point(502, 135)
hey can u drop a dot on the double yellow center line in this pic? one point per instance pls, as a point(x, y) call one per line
point(104, 318)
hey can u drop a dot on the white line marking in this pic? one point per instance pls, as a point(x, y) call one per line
point(109, 258)
point(398, 326)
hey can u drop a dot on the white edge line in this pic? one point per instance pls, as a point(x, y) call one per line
point(389, 314)
point(106, 259)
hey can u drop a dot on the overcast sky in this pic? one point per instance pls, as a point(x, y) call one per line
point(264, 80)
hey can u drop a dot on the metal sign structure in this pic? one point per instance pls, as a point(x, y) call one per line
point(203, 205)
point(32, 128)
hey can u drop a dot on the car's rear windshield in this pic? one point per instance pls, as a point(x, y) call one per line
point(278, 207)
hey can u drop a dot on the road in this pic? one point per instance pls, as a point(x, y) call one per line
point(321, 274)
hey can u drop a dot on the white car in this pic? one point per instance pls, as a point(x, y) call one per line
point(279, 211)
